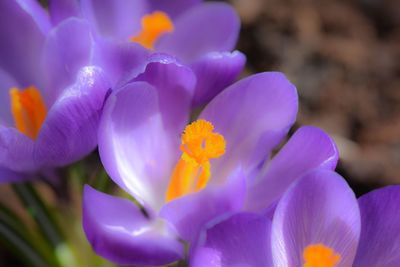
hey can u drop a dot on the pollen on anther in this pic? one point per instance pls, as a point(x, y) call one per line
point(28, 109)
point(319, 255)
point(192, 172)
point(154, 25)
point(200, 142)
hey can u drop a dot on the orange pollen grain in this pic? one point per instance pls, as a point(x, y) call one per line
point(320, 255)
point(199, 144)
point(153, 26)
point(28, 110)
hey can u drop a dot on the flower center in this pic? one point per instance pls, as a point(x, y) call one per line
point(320, 256)
point(153, 26)
point(28, 110)
point(192, 172)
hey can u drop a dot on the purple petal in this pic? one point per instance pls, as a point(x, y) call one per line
point(37, 13)
point(67, 49)
point(175, 87)
point(21, 42)
point(117, 19)
point(173, 7)
point(206, 28)
point(125, 135)
point(241, 240)
point(308, 148)
point(9, 176)
point(118, 59)
point(134, 147)
point(253, 115)
point(380, 231)
point(70, 129)
point(6, 83)
point(16, 150)
point(63, 9)
point(215, 71)
point(190, 213)
point(121, 233)
point(318, 208)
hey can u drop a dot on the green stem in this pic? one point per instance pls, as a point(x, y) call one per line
point(15, 237)
point(46, 223)
point(39, 212)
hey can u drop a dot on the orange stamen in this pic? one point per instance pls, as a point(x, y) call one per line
point(320, 256)
point(193, 170)
point(28, 110)
point(153, 26)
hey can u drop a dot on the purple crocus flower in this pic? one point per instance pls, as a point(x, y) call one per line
point(200, 35)
point(51, 97)
point(318, 222)
point(183, 175)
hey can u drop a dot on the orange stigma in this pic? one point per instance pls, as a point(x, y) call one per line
point(193, 170)
point(153, 26)
point(320, 256)
point(28, 110)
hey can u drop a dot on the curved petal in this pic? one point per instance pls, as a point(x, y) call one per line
point(67, 49)
point(159, 85)
point(320, 208)
point(6, 83)
point(206, 28)
point(240, 240)
point(70, 129)
point(120, 232)
point(190, 213)
point(117, 19)
point(21, 42)
point(134, 146)
point(309, 148)
point(175, 85)
point(63, 9)
point(37, 13)
point(16, 150)
point(253, 115)
point(118, 59)
point(380, 230)
point(173, 7)
point(215, 71)
point(9, 176)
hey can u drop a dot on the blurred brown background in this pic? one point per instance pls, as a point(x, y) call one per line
point(344, 58)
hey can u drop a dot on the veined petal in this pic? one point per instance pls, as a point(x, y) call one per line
point(380, 230)
point(119, 59)
point(205, 28)
point(116, 19)
point(6, 83)
point(309, 148)
point(240, 240)
point(319, 208)
point(134, 146)
point(173, 7)
point(253, 115)
point(22, 41)
point(62, 9)
point(16, 150)
point(120, 232)
point(190, 213)
point(215, 71)
point(70, 129)
point(68, 48)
